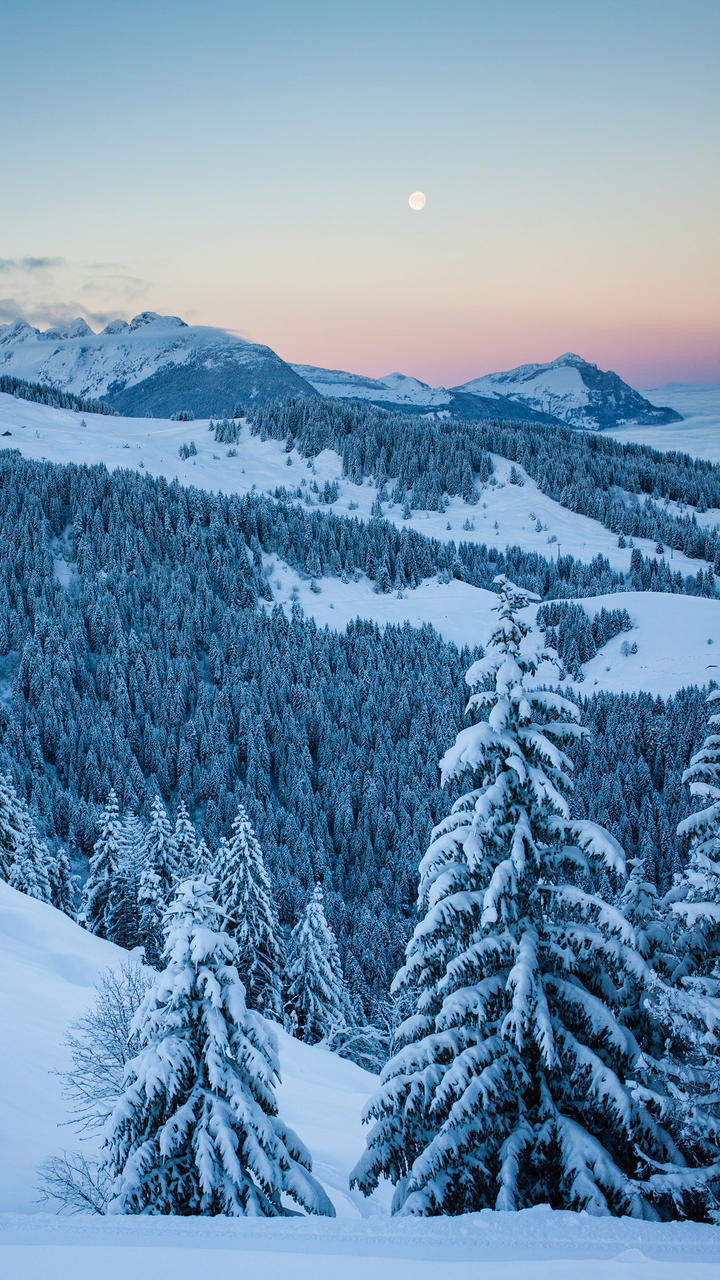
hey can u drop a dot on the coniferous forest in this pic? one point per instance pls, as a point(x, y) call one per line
point(245, 799)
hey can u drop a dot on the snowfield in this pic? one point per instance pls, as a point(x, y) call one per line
point(678, 637)
point(505, 515)
point(48, 967)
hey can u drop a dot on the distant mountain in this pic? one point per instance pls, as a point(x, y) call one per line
point(154, 365)
point(398, 391)
point(396, 388)
point(568, 389)
point(574, 391)
point(160, 365)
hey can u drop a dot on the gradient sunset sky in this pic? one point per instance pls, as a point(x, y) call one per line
point(249, 164)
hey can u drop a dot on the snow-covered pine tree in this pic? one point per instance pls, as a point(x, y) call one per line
point(515, 1081)
point(13, 825)
point(157, 879)
point(316, 999)
point(244, 892)
point(124, 907)
point(30, 870)
point(196, 1129)
point(102, 870)
point(63, 884)
point(695, 896)
point(203, 863)
point(185, 838)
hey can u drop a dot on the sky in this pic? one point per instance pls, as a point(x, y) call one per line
point(248, 164)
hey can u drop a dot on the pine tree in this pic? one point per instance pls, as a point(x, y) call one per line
point(244, 892)
point(185, 839)
point(203, 863)
point(157, 879)
point(30, 870)
point(102, 870)
point(316, 1000)
point(124, 906)
point(516, 1081)
point(13, 825)
point(695, 896)
point(196, 1130)
point(63, 884)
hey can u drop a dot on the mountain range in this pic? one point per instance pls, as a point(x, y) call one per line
point(159, 365)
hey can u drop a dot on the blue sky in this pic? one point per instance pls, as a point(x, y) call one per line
point(249, 165)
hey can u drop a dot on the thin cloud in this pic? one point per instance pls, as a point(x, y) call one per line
point(50, 315)
point(30, 264)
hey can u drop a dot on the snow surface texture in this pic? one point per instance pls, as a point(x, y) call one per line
point(699, 432)
point(48, 966)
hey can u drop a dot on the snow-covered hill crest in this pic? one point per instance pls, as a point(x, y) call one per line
point(574, 391)
point(154, 365)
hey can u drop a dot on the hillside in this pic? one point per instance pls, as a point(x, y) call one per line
point(48, 967)
point(671, 653)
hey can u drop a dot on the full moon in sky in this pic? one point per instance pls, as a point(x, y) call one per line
point(417, 201)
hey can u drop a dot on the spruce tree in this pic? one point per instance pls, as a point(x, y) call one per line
point(124, 908)
point(316, 1000)
point(516, 1080)
point(156, 882)
point(196, 1129)
point(185, 839)
point(63, 884)
point(30, 870)
point(244, 892)
point(102, 870)
point(13, 825)
point(695, 896)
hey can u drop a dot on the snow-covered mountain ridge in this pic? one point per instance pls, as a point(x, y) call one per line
point(154, 365)
point(159, 365)
point(568, 389)
point(575, 391)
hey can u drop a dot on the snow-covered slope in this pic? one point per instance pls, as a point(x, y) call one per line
point(506, 515)
point(48, 970)
point(677, 637)
point(48, 966)
point(153, 365)
point(573, 390)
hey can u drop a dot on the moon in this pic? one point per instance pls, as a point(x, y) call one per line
point(417, 201)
